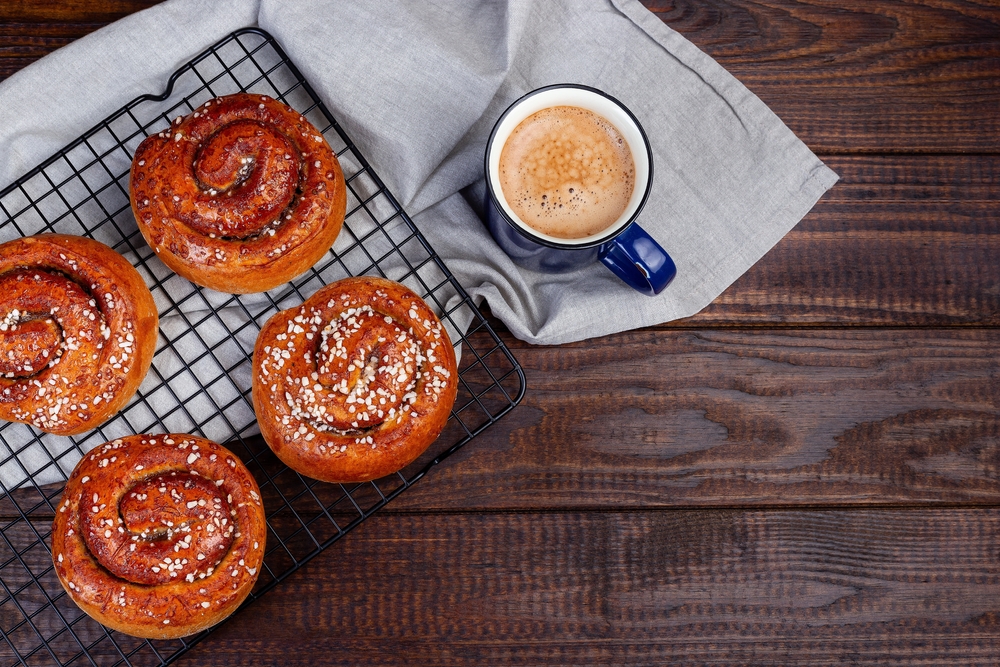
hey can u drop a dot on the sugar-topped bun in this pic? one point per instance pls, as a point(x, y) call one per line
point(159, 536)
point(78, 330)
point(241, 195)
point(355, 383)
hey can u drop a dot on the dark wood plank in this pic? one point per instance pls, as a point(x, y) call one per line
point(691, 587)
point(898, 241)
point(70, 11)
point(811, 382)
point(881, 76)
point(30, 29)
point(735, 417)
point(740, 417)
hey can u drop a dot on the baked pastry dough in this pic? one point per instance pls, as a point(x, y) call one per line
point(241, 195)
point(159, 536)
point(77, 334)
point(355, 383)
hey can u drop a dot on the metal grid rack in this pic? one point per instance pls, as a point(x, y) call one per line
point(200, 379)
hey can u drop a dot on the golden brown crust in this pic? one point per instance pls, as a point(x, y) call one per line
point(355, 383)
point(159, 536)
point(241, 195)
point(78, 330)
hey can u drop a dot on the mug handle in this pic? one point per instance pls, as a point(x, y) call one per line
point(638, 260)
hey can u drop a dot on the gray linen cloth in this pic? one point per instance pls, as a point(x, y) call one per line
point(418, 85)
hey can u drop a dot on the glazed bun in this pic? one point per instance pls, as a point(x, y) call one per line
point(77, 334)
point(355, 383)
point(240, 196)
point(159, 536)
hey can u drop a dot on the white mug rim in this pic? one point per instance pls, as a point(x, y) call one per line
point(621, 115)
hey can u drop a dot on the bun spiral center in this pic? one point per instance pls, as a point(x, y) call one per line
point(45, 314)
point(366, 367)
point(248, 174)
point(169, 526)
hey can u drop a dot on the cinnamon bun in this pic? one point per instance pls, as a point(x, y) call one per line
point(77, 334)
point(355, 383)
point(240, 196)
point(159, 536)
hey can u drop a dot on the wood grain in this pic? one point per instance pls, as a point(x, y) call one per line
point(32, 29)
point(805, 473)
point(733, 417)
point(643, 588)
point(883, 76)
point(899, 241)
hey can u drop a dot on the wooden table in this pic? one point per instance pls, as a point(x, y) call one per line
point(806, 472)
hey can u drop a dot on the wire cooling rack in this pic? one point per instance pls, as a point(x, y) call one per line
point(200, 379)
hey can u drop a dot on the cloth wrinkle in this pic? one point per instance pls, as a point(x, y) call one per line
point(417, 86)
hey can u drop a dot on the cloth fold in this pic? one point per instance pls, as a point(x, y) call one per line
point(418, 86)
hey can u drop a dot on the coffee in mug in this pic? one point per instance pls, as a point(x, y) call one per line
point(567, 172)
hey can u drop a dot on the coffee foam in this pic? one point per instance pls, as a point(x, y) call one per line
point(567, 172)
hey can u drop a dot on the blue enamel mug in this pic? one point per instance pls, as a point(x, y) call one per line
point(623, 246)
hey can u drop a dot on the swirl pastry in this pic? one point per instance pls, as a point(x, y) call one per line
point(159, 536)
point(355, 383)
point(78, 329)
point(240, 196)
